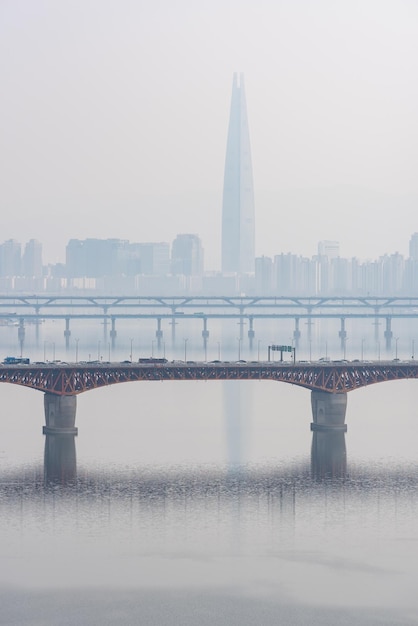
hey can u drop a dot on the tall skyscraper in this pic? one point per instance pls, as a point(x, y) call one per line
point(238, 233)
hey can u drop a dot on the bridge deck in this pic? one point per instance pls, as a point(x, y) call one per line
point(335, 377)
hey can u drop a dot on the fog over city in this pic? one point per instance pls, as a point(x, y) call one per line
point(115, 115)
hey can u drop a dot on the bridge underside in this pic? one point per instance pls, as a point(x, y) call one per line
point(65, 380)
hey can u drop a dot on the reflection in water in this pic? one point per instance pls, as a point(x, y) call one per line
point(328, 454)
point(60, 464)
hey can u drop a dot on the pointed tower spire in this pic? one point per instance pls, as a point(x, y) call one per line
point(238, 195)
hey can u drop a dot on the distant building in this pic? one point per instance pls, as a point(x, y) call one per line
point(95, 258)
point(329, 249)
point(263, 275)
point(32, 266)
point(10, 258)
point(238, 232)
point(150, 259)
point(187, 255)
point(413, 247)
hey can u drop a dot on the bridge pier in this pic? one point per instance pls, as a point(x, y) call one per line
point(388, 333)
point(60, 412)
point(113, 333)
point(67, 333)
point(343, 335)
point(60, 463)
point(251, 333)
point(296, 333)
point(21, 334)
point(159, 333)
point(205, 336)
point(328, 410)
point(328, 454)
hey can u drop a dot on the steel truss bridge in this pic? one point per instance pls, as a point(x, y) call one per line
point(336, 377)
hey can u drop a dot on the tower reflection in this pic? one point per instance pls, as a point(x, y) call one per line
point(60, 464)
point(328, 454)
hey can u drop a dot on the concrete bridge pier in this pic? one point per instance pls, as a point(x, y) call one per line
point(113, 333)
point(173, 325)
point(328, 454)
point(60, 412)
point(343, 335)
point(159, 333)
point(21, 334)
point(388, 333)
point(328, 411)
point(251, 332)
point(67, 333)
point(60, 463)
point(37, 324)
point(205, 336)
point(296, 333)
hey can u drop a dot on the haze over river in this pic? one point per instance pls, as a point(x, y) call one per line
point(185, 503)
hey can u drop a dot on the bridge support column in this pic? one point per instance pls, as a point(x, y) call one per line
point(173, 328)
point(60, 412)
point(251, 333)
point(328, 454)
point(37, 324)
point(343, 335)
point(241, 323)
point(205, 335)
point(328, 410)
point(296, 333)
point(113, 333)
point(388, 333)
point(67, 333)
point(376, 325)
point(159, 332)
point(60, 464)
point(21, 334)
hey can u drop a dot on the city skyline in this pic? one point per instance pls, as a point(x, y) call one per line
point(96, 142)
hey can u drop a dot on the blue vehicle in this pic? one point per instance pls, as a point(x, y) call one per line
point(16, 360)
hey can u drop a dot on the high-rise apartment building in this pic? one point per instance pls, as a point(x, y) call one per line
point(238, 222)
point(413, 247)
point(10, 258)
point(32, 259)
point(187, 255)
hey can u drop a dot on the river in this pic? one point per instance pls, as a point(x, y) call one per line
point(209, 502)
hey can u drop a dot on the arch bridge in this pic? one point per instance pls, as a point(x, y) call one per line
point(328, 382)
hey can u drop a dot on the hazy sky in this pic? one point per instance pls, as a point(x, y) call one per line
point(114, 118)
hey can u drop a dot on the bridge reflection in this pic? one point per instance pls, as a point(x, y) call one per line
point(328, 458)
point(60, 461)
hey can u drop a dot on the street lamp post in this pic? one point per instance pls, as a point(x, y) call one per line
point(185, 349)
point(239, 348)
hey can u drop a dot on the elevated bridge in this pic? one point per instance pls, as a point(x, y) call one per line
point(171, 310)
point(336, 377)
point(328, 382)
